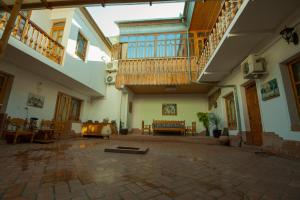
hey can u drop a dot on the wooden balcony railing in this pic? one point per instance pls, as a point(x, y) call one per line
point(228, 12)
point(33, 36)
point(156, 71)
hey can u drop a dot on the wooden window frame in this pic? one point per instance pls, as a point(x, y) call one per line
point(231, 123)
point(58, 21)
point(293, 83)
point(70, 107)
point(83, 56)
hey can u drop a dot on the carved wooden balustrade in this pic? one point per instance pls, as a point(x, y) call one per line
point(33, 36)
point(228, 12)
point(156, 71)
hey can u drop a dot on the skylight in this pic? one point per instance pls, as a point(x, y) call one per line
point(106, 17)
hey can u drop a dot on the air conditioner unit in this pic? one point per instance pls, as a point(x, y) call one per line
point(253, 67)
point(112, 66)
point(110, 79)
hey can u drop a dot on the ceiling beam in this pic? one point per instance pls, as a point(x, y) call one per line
point(78, 3)
point(46, 4)
point(9, 26)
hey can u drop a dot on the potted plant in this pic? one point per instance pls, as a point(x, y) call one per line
point(215, 122)
point(105, 120)
point(203, 117)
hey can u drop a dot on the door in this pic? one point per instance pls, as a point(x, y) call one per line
point(67, 108)
point(254, 137)
point(62, 107)
point(5, 82)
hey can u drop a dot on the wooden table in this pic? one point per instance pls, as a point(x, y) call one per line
point(45, 135)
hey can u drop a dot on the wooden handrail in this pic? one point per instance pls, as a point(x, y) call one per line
point(35, 37)
point(228, 12)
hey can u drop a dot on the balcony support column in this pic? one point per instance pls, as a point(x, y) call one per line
point(9, 26)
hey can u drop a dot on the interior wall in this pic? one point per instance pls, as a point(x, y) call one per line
point(149, 107)
point(26, 82)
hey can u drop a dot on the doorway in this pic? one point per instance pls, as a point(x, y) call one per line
point(5, 87)
point(67, 108)
point(254, 136)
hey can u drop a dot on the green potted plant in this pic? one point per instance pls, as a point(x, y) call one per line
point(203, 117)
point(215, 122)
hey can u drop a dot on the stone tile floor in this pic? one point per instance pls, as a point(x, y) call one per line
point(80, 169)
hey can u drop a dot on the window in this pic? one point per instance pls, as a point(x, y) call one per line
point(57, 30)
point(81, 46)
point(67, 108)
point(157, 45)
point(230, 111)
point(294, 69)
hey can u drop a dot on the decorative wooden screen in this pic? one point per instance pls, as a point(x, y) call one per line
point(230, 111)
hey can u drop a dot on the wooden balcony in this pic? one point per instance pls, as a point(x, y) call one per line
point(33, 36)
point(156, 71)
point(228, 12)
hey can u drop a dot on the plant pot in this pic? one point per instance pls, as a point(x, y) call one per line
point(224, 140)
point(217, 133)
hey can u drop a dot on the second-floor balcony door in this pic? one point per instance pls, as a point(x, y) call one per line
point(57, 31)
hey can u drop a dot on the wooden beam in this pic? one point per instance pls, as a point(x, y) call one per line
point(46, 4)
point(9, 26)
point(79, 3)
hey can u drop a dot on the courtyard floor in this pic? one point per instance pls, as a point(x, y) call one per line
point(80, 169)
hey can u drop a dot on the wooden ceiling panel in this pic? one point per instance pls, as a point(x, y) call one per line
point(163, 89)
point(205, 15)
point(42, 4)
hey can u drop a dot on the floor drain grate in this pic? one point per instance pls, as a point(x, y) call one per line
point(130, 150)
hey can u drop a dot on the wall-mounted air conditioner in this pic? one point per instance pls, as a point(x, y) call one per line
point(253, 67)
point(112, 66)
point(110, 79)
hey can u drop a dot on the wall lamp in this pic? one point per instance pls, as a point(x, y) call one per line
point(290, 35)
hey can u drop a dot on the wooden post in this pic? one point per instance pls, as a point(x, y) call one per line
point(10, 26)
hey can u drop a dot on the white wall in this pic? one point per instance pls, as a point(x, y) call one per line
point(90, 72)
point(108, 106)
point(274, 112)
point(26, 82)
point(149, 107)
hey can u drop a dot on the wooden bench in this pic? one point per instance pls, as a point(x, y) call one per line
point(168, 126)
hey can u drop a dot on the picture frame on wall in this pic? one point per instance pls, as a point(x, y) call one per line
point(169, 109)
point(270, 90)
point(35, 100)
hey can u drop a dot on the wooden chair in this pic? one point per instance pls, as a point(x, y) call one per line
point(46, 131)
point(146, 128)
point(18, 127)
point(191, 130)
point(59, 128)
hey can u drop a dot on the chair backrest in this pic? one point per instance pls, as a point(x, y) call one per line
point(143, 124)
point(16, 124)
point(194, 126)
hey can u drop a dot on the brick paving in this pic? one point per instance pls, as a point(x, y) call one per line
point(80, 169)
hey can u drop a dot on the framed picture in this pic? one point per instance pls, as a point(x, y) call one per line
point(35, 100)
point(270, 90)
point(169, 109)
